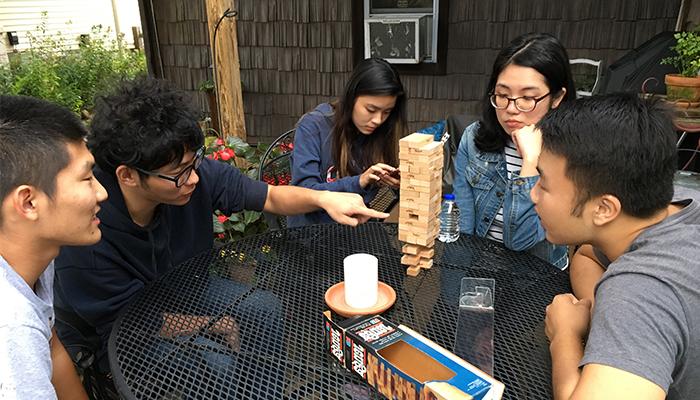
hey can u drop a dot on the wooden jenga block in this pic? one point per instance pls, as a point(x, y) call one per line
point(410, 249)
point(422, 189)
point(422, 240)
point(416, 140)
point(427, 150)
point(413, 271)
point(427, 253)
point(408, 259)
point(416, 205)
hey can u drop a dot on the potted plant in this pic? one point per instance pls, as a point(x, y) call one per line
point(686, 84)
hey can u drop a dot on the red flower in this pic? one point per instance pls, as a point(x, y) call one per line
point(219, 142)
point(286, 147)
point(227, 154)
point(222, 218)
point(221, 235)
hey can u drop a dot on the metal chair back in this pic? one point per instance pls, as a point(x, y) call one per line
point(275, 154)
point(276, 169)
point(598, 65)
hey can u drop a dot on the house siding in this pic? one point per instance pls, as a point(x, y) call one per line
point(67, 19)
point(296, 54)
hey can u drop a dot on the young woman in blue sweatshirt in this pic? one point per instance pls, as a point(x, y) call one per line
point(351, 144)
point(496, 163)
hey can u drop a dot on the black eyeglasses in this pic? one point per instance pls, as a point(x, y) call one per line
point(522, 103)
point(183, 176)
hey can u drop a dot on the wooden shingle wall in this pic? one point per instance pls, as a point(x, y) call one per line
point(183, 39)
point(295, 54)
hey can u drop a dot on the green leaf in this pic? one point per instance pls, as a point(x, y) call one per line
point(218, 227)
point(238, 227)
point(250, 216)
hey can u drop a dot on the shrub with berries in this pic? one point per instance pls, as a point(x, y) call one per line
point(239, 154)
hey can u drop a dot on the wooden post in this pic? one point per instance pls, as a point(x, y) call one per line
point(227, 72)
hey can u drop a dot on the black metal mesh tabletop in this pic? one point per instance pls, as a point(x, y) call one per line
point(178, 338)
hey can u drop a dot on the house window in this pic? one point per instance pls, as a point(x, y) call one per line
point(409, 33)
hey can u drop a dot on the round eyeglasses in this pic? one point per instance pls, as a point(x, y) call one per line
point(522, 103)
point(183, 176)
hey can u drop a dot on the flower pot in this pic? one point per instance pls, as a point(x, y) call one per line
point(682, 87)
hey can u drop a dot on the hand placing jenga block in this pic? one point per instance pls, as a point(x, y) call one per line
point(421, 185)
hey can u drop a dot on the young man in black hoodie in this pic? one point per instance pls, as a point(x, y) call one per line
point(148, 149)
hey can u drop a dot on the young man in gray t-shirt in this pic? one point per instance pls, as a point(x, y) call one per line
point(606, 179)
point(48, 198)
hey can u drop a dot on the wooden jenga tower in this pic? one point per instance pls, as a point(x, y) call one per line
point(420, 160)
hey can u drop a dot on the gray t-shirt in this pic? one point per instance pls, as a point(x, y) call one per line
point(646, 319)
point(26, 319)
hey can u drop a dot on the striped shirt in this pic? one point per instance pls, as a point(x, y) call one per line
point(514, 163)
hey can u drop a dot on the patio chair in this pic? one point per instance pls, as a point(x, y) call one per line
point(598, 64)
point(275, 169)
point(279, 149)
point(97, 385)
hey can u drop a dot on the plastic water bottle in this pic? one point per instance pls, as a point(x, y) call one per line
point(449, 220)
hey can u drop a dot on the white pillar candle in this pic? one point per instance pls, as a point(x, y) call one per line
point(360, 280)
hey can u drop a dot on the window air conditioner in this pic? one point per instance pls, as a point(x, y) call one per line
point(399, 40)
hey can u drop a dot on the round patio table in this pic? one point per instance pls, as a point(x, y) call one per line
point(177, 338)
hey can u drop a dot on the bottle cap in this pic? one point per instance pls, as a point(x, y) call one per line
point(448, 196)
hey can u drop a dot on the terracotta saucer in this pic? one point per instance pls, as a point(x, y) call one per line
point(335, 298)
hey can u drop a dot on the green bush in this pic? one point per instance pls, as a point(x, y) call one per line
point(50, 69)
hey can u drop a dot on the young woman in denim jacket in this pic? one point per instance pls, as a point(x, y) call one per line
point(496, 164)
point(352, 144)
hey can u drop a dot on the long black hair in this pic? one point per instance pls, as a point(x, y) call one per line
point(540, 51)
point(373, 77)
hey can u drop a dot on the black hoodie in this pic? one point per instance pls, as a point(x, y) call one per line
point(96, 282)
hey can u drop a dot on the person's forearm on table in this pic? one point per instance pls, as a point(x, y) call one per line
point(567, 352)
point(175, 324)
point(344, 208)
point(293, 200)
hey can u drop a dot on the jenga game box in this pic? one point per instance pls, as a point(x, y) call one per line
point(402, 364)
